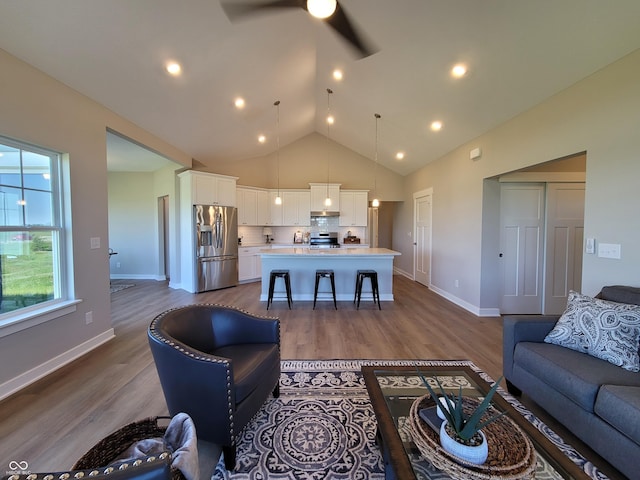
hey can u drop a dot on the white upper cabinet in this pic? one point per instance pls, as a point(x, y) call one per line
point(320, 191)
point(209, 188)
point(296, 207)
point(247, 206)
point(264, 208)
point(353, 211)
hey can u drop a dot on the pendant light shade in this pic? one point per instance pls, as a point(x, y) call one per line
point(278, 200)
point(375, 202)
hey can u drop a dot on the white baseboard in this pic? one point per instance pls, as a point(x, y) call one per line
point(132, 276)
point(27, 378)
point(398, 271)
point(479, 312)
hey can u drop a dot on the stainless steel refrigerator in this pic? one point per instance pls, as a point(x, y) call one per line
point(216, 247)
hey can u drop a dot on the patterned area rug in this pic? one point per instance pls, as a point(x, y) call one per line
point(118, 287)
point(323, 427)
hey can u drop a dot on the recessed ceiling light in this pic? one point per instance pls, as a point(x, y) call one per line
point(174, 68)
point(436, 126)
point(337, 74)
point(262, 138)
point(459, 70)
point(399, 155)
point(239, 102)
point(330, 120)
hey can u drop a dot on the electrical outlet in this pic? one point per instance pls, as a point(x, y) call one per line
point(88, 317)
point(117, 264)
point(456, 283)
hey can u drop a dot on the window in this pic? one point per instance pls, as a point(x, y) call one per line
point(32, 273)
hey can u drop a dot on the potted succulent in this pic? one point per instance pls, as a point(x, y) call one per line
point(460, 432)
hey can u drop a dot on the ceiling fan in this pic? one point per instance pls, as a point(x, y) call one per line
point(330, 11)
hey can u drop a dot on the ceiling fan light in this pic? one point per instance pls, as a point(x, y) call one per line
point(321, 8)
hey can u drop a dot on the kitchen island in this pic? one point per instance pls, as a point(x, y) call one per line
point(302, 264)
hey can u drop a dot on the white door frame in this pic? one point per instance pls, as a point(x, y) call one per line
point(422, 193)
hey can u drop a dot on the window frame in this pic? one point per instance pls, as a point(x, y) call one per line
point(62, 302)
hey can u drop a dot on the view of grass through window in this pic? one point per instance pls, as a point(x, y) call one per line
point(27, 270)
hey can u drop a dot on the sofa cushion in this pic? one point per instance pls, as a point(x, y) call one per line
point(620, 294)
point(575, 375)
point(619, 406)
point(250, 364)
point(606, 330)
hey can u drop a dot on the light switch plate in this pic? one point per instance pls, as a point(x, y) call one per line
point(590, 246)
point(95, 243)
point(609, 250)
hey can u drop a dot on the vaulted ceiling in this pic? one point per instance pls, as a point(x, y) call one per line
point(518, 53)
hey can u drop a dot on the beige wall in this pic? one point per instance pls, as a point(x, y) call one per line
point(599, 115)
point(305, 161)
point(39, 110)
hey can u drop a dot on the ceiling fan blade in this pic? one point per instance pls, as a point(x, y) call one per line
point(238, 10)
point(340, 22)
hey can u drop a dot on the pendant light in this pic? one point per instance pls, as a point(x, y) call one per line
point(277, 105)
point(327, 201)
point(375, 202)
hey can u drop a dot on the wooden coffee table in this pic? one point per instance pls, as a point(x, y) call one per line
point(392, 391)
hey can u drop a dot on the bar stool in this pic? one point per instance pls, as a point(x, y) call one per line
point(325, 274)
point(284, 274)
point(372, 275)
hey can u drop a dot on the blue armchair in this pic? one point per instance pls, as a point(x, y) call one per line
point(218, 364)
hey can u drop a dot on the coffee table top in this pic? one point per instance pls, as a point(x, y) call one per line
point(392, 391)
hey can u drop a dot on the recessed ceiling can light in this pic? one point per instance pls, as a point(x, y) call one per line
point(239, 102)
point(174, 68)
point(337, 74)
point(400, 156)
point(459, 70)
point(436, 126)
point(262, 138)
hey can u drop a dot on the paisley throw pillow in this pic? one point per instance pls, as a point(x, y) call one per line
point(606, 330)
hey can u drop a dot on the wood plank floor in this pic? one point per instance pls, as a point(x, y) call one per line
point(51, 423)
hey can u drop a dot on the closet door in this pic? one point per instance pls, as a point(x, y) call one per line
point(565, 234)
point(521, 247)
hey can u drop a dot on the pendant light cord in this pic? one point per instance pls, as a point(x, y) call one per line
point(329, 92)
point(375, 167)
point(277, 105)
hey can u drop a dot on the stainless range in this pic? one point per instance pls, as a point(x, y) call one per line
point(324, 240)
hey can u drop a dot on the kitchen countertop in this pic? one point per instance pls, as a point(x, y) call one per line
point(336, 252)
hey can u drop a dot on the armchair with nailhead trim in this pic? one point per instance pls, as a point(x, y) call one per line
point(218, 364)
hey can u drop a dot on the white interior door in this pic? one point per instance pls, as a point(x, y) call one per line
point(565, 232)
point(422, 224)
point(521, 247)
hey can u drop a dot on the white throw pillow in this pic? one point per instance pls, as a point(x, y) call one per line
point(606, 330)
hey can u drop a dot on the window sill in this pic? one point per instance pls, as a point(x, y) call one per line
point(36, 317)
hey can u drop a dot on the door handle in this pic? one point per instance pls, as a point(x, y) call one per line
point(500, 255)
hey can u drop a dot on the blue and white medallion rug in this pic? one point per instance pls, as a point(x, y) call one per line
point(323, 427)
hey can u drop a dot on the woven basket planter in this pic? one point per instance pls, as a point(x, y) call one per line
point(108, 449)
point(511, 453)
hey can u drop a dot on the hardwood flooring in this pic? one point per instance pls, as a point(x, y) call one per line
point(51, 423)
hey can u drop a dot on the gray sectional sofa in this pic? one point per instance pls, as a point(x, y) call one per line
point(597, 401)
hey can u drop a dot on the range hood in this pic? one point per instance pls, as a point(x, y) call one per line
point(325, 213)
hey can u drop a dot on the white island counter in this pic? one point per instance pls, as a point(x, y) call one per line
point(302, 264)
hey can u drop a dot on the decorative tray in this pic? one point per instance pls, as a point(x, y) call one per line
point(511, 453)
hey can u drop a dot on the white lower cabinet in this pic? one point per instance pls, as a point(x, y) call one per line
point(249, 263)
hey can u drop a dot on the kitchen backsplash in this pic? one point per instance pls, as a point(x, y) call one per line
point(253, 235)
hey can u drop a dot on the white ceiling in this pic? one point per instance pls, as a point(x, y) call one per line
point(519, 52)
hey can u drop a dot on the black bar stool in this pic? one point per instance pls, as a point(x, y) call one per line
point(284, 274)
point(325, 274)
point(372, 275)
